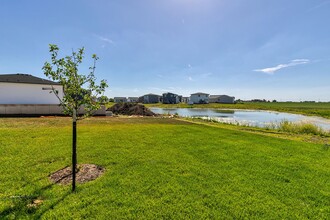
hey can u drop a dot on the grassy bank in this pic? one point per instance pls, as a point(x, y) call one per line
point(161, 168)
point(315, 109)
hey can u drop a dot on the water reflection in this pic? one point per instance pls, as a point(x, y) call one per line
point(225, 111)
point(246, 117)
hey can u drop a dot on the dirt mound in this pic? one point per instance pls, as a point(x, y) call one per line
point(130, 109)
point(85, 173)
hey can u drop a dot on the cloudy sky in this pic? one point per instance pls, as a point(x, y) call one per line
point(268, 49)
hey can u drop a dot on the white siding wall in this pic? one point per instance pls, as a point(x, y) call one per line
point(24, 93)
point(197, 98)
point(226, 99)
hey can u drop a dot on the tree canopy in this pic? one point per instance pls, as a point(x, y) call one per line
point(80, 90)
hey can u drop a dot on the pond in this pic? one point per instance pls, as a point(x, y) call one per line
point(244, 117)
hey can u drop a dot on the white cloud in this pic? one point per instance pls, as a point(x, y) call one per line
point(189, 66)
point(300, 61)
point(320, 5)
point(104, 39)
point(190, 78)
point(205, 75)
point(272, 70)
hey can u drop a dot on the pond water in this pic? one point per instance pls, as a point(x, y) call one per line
point(244, 117)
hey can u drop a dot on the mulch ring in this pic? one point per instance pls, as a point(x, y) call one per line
point(84, 173)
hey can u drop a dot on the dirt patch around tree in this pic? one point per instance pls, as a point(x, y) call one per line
point(84, 173)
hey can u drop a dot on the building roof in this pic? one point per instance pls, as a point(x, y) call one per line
point(119, 97)
point(151, 94)
point(170, 93)
point(25, 78)
point(200, 93)
point(218, 96)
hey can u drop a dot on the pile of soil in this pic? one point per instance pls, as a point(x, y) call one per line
point(85, 173)
point(130, 109)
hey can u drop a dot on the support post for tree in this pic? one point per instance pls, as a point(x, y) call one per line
point(74, 149)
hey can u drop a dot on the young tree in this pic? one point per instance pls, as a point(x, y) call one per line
point(80, 91)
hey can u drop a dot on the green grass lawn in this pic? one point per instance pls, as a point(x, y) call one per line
point(161, 169)
point(321, 109)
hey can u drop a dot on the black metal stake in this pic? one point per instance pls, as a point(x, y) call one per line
point(74, 150)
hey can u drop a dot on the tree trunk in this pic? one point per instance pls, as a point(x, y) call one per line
point(74, 149)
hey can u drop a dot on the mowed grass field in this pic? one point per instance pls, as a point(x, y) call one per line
point(321, 109)
point(158, 168)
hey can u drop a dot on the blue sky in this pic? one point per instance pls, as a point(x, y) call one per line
point(245, 48)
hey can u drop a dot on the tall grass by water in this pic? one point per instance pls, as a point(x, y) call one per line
point(283, 126)
point(297, 128)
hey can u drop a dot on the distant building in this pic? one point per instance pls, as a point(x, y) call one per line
point(170, 98)
point(120, 99)
point(151, 98)
point(27, 89)
point(185, 99)
point(180, 98)
point(132, 99)
point(141, 99)
point(221, 99)
point(199, 98)
point(27, 95)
